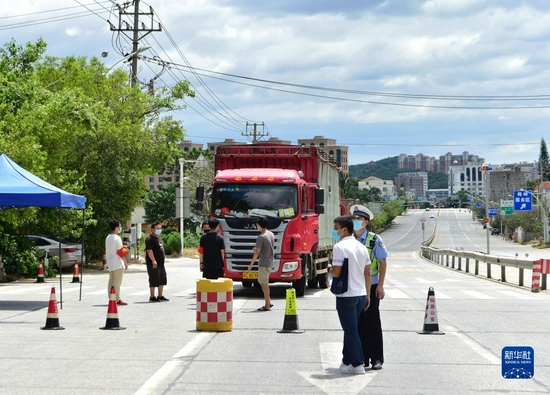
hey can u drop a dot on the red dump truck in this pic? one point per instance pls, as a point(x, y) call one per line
point(297, 189)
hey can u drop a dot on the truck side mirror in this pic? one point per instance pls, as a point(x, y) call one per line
point(198, 206)
point(319, 209)
point(319, 196)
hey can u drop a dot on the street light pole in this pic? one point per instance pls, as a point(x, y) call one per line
point(487, 206)
point(200, 163)
point(182, 177)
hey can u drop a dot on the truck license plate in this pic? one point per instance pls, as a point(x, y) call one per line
point(250, 275)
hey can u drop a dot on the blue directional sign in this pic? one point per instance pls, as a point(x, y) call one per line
point(493, 211)
point(518, 362)
point(523, 200)
point(477, 205)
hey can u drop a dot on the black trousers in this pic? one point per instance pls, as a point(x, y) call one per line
point(370, 330)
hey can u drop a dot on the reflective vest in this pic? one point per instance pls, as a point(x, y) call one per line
point(370, 242)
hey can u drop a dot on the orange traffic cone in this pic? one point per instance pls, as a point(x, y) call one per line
point(431, 326)
point(52, 320)
point(76, 273)
point(40, 276)
point(112, 313)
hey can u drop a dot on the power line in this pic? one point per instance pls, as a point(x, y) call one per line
point(377, 102)
point(388, 94)
point(53, 10)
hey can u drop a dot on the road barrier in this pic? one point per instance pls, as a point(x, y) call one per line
point(215, 305)
point(461, 261)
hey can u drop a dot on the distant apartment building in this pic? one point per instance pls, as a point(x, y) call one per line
point(413, 185)
point(338, 152)
point(385, 186)
point(466, 178)
point(159, 181)
point(441, 165)
point(504, 179)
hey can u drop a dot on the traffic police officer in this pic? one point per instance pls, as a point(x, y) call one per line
point(370, 327)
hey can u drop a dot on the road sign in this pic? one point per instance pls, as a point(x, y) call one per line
point(493, 211)
point(506, 203)
point(485, 168)
point(477, 205)
point(506, 210)
point(523, 200)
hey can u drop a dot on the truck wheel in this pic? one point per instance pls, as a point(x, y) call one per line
point(312, 283)
point(323, 280)
point(324, 277)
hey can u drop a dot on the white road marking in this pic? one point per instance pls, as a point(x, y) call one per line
point(330, 380)
point(190, 348)
point(477, 347)
point(478, 295)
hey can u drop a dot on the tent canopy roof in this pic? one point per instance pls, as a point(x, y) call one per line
point(20, 188)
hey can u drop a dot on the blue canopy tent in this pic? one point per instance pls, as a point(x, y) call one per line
point(20, 188)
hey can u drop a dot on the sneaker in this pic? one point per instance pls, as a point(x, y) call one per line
point(349, 369)
point(121, 303)
point(376, 365)
point(342, 364)
point(153, 299)
point(163, 299)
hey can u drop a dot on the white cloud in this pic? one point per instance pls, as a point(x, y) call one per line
point(73, 31)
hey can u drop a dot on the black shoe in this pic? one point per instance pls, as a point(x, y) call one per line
point(376, 365)
point(163, 299)
point(153, 299)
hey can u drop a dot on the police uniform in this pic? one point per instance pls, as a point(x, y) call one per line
point(370, 326)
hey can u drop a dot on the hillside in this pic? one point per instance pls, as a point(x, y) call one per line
point(386, 169)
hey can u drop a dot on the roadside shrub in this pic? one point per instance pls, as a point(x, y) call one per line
point(20, 259)
point(172, 244)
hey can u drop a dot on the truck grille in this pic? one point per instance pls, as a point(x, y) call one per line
point(239, 245)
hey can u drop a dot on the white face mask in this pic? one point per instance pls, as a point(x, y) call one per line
point(158, 232)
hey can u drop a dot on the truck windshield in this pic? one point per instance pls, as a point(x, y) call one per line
point(246, 200)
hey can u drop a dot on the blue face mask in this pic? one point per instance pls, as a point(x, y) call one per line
point(158, 232)
point(335, 235)
point(357, 224)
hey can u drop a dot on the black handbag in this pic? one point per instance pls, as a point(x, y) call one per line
point(340, 284)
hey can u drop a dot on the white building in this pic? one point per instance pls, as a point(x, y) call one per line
point(385, 186)
point(466, 178)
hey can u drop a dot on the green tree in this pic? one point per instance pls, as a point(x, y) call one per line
point(84, 130)
point(544, 161)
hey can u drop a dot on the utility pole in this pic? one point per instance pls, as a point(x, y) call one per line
point(137, 28)
point(256, 134)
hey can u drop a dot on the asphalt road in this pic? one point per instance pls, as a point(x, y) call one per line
point(160, 350)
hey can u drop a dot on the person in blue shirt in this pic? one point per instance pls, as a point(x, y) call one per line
point(370, 326)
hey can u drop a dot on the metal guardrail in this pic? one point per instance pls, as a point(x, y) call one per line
point(461, 260)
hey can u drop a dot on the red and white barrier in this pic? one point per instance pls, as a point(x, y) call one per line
point(535, 281)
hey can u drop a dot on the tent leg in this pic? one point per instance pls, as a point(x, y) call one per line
point(81, 256)
point(59, 263)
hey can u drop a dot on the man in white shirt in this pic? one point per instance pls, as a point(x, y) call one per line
point(115, 263)
point(350, 304)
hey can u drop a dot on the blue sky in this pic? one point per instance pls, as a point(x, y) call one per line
point(393, 68)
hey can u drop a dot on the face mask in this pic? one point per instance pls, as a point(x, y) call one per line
point(357, 224)
point(158, 232)
point(335, 235)
point(205, 231)
point(120, 230)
